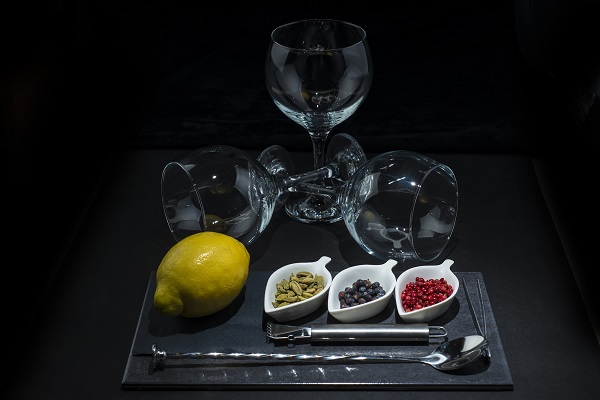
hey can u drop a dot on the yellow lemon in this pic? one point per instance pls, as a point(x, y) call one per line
point(200, 275)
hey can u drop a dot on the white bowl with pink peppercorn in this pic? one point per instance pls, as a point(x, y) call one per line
point(425, 292)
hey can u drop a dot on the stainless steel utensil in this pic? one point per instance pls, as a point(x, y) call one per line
point(450, 355)
point(356, 333)
point(483, 332)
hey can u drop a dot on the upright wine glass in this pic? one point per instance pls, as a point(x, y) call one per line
point(318, 72)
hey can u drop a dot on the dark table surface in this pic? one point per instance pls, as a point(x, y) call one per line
point(81, 339)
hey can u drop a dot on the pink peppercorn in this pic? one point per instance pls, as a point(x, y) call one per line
point(424, 293)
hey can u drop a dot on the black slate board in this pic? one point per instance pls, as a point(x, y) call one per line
point(241, 327)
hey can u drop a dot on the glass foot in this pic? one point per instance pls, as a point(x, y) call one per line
point(278, 162)
point(313, 208)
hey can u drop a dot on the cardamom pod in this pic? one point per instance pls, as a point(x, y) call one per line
point(300, 286)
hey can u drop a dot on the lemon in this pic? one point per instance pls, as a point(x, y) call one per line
point(201, 275)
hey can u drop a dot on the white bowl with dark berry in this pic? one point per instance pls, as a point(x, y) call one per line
point(361, 291)
point(425, 292)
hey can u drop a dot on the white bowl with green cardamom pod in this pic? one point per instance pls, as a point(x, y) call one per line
point(297, 290)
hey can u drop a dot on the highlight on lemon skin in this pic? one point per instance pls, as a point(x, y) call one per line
point(201, 275)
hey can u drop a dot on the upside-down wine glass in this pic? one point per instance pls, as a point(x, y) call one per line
point(222, 189)
point(401, 205)
point(318, 72)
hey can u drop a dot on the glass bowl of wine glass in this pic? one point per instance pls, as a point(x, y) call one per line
point(401, 205)
point(222, 189)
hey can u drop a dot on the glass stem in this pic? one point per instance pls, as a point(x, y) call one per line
point(327, 171)
point(318, 140)
point(312, 181)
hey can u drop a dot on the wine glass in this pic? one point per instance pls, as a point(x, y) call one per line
point(318, 72)
point(222, 189)
point(401, 205)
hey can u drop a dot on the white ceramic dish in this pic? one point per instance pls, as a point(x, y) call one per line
point(426, 314)
point(301, 308)
point(381, 273)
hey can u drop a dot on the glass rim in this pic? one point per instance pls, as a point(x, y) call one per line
point(358, 28)
point(178, 168)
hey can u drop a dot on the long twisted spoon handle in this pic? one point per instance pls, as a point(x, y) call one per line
point(159, 357)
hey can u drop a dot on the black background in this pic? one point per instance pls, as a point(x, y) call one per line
point(82, 81)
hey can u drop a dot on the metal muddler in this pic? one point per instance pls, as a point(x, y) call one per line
point(357, 333)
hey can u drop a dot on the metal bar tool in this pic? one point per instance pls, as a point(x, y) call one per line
point(356, 333)
point(483, 332)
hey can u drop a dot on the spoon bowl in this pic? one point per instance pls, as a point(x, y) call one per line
point(456, 353)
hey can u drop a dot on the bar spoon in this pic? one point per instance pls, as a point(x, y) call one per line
point(450, 355)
